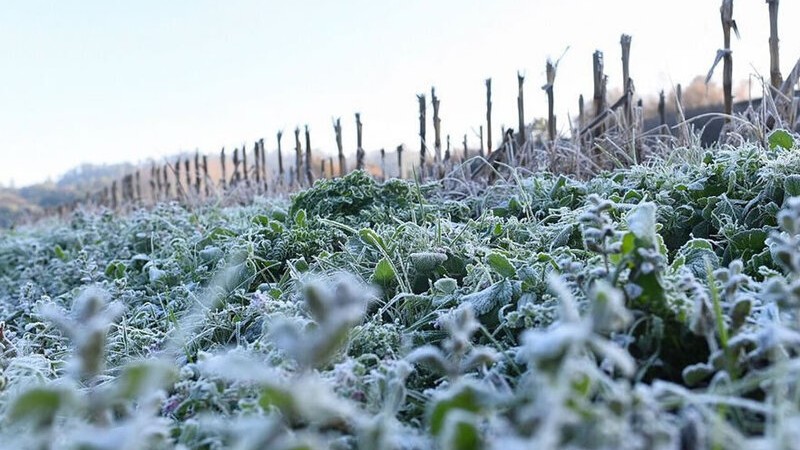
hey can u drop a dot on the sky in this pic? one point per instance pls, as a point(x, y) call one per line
point(105, 81)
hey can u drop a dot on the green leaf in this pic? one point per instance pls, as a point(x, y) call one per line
point(753, 240)
point(384, 272)
point(38, 405)
point(277, 397)
point(780, 138)
point(501, 265)
point(370, 237)
point(214, 235)
point(115, 270)
point(60, 253)
point(464, 397)
point(461, 432)
point(143, 377)
point(791, 184)
point(300, 218)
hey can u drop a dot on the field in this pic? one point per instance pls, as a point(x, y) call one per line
point(650, 307)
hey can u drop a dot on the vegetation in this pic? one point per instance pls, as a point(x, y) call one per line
point(651, 307)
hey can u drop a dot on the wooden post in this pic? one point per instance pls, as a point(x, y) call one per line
point(447, 152)
point(489, 143)
point(127, 188)
point(223, 181)
point(599, 89)
point(167, 185)
point(581, 114)
point(437, 127)
point(625, 43)
point(422, 107)
point(153, 178)
point(187, 169)
point(330, 164)
point(322, 168)
point(205, 175)
point(197, 178)
point(263, 163)
point(774, 55)
point(383, 164)
point(550, 70)
point(522, 135)
point(114, 194)
point(683, 130)
point(466, 152)
point(157, 191)
point(359, 147)
point(236, 175)
point(400, 161)
point(726, 14)
point(309, 173)
point(138, 187)
point(280, 158)
point(244, 165)
point(337, 129)
point(257, 154)
point(123, 187)
point(480, 149)
point(662, 108)
point(178, 182)
point(298, 150)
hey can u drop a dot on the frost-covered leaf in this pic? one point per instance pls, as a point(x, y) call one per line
point(427, 262)
point(431, 357)
point(697, 254)
point(642, 222)
point(478, 357)
point(608, 308)
point(384, 272)
point(615, 354)
point(549, 346)
point(445, 285)
point(697, 373)
point(501, 265)
point(791, 184)
point(490, 298)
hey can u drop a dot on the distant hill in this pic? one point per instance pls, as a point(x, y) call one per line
point(17, 204)
point(13, 207)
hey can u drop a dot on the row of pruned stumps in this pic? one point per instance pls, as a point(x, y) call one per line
point(189, 178)
point(622, 120)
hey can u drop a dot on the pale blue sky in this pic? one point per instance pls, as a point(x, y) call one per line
point(109, 81)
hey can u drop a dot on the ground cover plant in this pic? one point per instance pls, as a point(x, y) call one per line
point(651, 307)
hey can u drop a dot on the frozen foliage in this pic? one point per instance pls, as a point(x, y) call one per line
point(656, 307)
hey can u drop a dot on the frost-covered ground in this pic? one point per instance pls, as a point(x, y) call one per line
point(648, 308)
